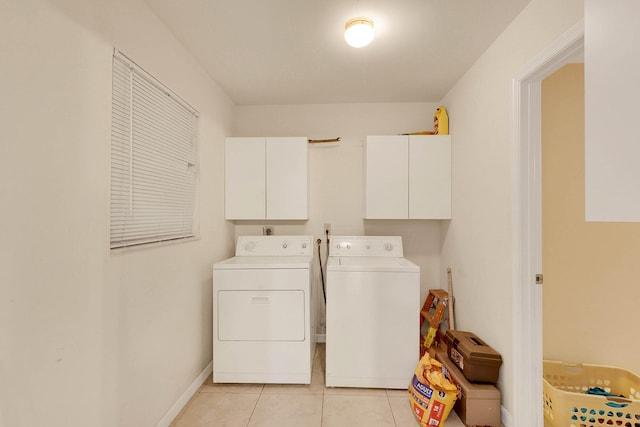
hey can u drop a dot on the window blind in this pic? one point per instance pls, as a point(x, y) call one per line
point(153, 159)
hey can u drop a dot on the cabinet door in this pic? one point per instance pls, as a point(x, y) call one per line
point(287, 178)
point(244, 178)
point(611, 68)
point(430, 177)
point(387, 184)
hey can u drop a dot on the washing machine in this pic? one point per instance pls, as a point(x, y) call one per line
point(372, 313)
point(263, 312)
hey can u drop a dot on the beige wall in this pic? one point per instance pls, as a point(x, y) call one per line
point(591, 270)
point(477, 242)
point(90, 338)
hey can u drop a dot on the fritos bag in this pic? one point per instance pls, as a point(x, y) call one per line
point(431, 394)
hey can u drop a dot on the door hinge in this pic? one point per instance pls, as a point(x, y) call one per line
point(539, 279)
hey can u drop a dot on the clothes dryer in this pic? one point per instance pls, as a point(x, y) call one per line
point(263, 312)
point(373, 313)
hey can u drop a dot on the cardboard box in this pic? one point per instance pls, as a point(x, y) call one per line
point(478, 404)
point(477, 361)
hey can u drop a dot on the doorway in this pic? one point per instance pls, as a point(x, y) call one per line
point(527, 241)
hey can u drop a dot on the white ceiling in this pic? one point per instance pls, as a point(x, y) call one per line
point(293, 51)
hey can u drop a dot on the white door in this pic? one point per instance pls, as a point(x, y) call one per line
point(287, 178)
point(430, 177)
point(387, 180)
point(244, 178)
point(612, 65)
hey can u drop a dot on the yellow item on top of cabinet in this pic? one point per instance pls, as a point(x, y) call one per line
point(441, 122)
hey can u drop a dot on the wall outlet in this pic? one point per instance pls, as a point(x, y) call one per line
point(267, 230)
point(327, 229)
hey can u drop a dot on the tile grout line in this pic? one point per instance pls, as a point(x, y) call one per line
point(253, 411)
point(393, 416)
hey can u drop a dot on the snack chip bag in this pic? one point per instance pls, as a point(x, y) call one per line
point(431, 394)
point(441, 122)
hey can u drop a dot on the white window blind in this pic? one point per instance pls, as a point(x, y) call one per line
point(153, 159)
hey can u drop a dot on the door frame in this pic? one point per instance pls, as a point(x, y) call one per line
point(527, 225)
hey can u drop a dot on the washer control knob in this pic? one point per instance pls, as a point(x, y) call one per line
point(388, 246)
point(304, 246)
point(284, 245)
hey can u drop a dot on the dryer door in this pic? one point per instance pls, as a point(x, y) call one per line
point(250, 315)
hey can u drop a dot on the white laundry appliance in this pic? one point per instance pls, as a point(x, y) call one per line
point(373, 313)
point(264, 312)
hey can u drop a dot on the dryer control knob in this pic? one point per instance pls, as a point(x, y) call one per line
point(388, 246)
point(284, 245)
point(304, 246)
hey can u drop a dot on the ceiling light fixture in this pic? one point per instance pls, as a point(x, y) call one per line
point(358, 32)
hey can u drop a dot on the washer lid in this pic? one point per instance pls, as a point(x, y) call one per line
point(372, 264)
point(264, 262)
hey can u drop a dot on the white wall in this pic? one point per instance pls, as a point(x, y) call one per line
point(336, 171)
point(90, 338)
point(477, 241)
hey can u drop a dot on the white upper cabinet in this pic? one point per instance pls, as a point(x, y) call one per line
point(266, 178)
point(408, 177)
point(612, 149)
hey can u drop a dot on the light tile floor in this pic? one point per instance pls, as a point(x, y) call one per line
point(314, 405)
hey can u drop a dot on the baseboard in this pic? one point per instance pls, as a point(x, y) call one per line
point(507, 421)
point(173, 412)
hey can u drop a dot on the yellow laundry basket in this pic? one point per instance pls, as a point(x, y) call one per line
point(566, 403)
